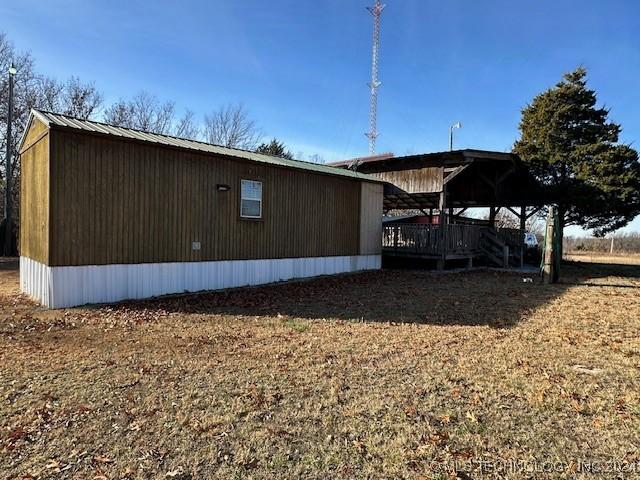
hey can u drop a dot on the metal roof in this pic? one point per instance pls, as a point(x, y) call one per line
point(451, 156)
point(65, 121)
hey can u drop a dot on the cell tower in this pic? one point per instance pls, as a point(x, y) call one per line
point(376, 12)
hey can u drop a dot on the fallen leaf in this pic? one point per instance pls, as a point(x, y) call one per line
point(175, 473)
point(471, 416)
point(102, 459)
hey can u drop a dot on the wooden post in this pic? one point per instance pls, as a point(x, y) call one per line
point(548, 269)
point(523, 227)
point(492, 216)
point(443, 228)
point(505, 256)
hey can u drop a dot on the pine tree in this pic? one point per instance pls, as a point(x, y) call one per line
point(573, 150)
point(275, 148)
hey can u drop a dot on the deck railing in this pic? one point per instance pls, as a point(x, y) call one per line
point(426, 239)
point(513, 237)
point(463, 239)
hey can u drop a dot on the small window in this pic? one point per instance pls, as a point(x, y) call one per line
point(250, 199)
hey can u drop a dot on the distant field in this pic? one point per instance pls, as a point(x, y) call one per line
point(595, 257)
point(389, 374)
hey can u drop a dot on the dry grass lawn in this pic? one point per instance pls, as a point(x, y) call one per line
point(597, 257)
point(391, 374)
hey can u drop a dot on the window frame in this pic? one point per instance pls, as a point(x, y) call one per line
point(261, 200)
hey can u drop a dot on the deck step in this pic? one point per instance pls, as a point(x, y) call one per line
point(497, 261)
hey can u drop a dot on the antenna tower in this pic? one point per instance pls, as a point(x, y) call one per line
point(376, 12)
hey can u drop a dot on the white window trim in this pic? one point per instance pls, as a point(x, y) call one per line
point(252, 199)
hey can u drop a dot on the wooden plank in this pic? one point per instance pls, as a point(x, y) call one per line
point(421, 180)
point(457, 171)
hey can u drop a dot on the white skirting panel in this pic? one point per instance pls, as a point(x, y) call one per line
point(58, 287)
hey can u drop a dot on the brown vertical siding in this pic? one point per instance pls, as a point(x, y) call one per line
point(421, 180)
point(34, 194)
point(371, 219)
point(119, 201)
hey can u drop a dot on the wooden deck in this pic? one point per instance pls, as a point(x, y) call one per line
point(501, 247)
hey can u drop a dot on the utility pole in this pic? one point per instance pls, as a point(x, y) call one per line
point(376, 12)
point(8, 223)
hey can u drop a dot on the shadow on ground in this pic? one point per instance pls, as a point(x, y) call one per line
point(9, 263)
point(495, 299)
point(582, 270)
point(482, 298)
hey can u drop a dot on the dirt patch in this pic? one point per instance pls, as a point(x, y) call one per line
point(374, 375)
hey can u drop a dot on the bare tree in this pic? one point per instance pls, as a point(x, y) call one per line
point(143, 112)
point(186, 127)
point(81, 100)
point(506, 219)
point(73, 97)
point(151, 115)
point(146, 112)
point(617, 243)
point(120, 114)
point(49, 91)
point(231, 127)
point(24, 98)
point(315, 158)
point(31, 90)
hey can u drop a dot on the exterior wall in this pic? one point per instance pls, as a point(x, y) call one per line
point(34, 194)
point(420, 180)
point(58, 287)
point(115, 201)
point(371, 218)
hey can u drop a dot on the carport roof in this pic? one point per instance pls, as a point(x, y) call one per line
point(473, 178)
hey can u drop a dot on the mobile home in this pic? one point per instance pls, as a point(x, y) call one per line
point(110, 213)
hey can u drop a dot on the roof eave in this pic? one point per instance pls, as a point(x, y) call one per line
point(32, 114)
point(357, 176)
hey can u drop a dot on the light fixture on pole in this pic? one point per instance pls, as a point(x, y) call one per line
point(8, 224)
point(456, 125)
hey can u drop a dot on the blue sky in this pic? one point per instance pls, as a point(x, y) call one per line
point(301, 67)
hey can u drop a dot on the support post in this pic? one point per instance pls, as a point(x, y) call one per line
point(443, 228)
point(8, 206)
point(505, 256)
point(492, 216)
point(523, 227)
point(548, 268)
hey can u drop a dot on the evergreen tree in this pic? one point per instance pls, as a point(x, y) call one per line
point(573, 150)
point(275, 148)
